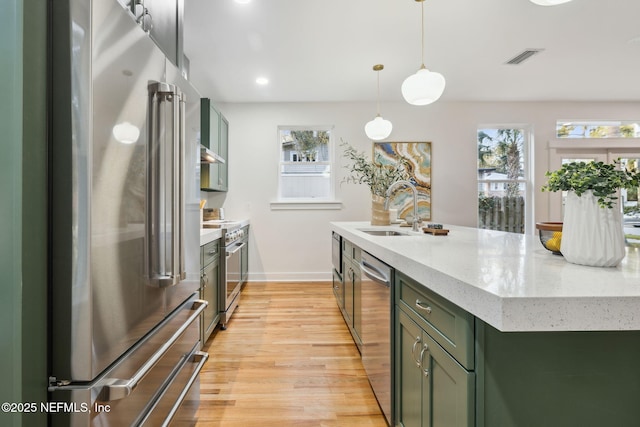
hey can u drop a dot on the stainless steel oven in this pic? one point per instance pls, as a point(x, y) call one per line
point(232, 273)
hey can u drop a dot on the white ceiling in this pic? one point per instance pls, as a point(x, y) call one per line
point(324, 50)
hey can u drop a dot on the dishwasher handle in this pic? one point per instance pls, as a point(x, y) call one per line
point(375, 274)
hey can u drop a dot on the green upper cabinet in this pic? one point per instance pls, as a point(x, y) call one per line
point(223, 174)
point(215, 136)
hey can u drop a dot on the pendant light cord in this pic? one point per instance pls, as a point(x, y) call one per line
point(422, 10)
point(378, 97)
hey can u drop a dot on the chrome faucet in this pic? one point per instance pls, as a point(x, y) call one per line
point(416, 218)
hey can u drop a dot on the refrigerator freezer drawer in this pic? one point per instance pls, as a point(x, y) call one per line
point(181, 398)
point(143, 381)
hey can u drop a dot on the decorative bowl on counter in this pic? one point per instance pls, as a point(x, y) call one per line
point(550, 235)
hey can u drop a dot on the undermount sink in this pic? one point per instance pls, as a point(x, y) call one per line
point(384, 233)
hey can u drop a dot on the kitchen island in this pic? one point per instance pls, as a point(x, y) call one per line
point(491, 329)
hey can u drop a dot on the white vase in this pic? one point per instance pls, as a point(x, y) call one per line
point(591, 235)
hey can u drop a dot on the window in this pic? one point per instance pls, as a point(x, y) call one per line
point(305, 169)
point(503, 179)
point(597, 129)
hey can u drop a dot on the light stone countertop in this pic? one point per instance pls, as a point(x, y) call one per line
point(509, 280)
point(210, 234)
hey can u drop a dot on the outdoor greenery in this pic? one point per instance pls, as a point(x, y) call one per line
point(596, 131)
point(504, 153)
point(604, 179)
point(307, 143)
point(375, 175)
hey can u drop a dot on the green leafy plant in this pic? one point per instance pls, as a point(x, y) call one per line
point(376, 175)
point(603, 179)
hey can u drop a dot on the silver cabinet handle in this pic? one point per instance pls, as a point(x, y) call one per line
point(413, 352)
point(421, 305)
point(425, 371)
point(118, 389)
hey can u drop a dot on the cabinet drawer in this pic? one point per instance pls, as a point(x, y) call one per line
point(357, 257)
point(448, 324)
point(210, 252)
point(347, 249)
point(350, 251)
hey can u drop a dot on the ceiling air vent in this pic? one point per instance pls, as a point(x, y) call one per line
point(523, 56)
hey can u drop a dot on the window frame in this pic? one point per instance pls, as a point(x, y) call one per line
point(307, 203)
point(528, 175)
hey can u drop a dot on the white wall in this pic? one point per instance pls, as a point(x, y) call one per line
point(295, 245)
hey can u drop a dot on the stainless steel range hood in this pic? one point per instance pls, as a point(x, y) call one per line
point(208, 156)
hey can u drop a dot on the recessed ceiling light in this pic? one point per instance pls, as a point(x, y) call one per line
point(242, 1)
point(549, 2)
point(262, 81)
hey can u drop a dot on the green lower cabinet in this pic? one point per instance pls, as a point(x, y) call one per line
point(558, 379)
point(357, 303)
point(351, 291)
point(210, 288)
point(353, 299)
point(433, 390)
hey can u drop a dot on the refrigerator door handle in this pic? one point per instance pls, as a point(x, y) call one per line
point(165, 186)
point(181, 167)
point(116, 389)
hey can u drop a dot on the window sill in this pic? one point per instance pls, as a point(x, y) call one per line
point(281, 205)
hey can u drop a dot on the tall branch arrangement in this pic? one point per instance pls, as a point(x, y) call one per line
point(374, 174)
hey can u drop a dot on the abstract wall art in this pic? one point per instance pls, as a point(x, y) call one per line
point(418, 156)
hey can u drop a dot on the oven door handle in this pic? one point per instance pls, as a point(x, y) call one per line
point(236, 249)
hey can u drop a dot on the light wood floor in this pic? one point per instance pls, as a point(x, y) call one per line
point(286, 359)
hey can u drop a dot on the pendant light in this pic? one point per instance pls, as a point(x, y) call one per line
point(423, 87)
point(378, 128)
point(549, 2)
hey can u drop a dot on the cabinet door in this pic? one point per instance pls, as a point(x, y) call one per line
point(357, 302)
point(210, 292)
point(210, 125)
point(244, 261)
point(448, 388)
point(223, 151)
point(348, 292)
point(433, 389)
point(338, 289)
point(210, 138)
point(408, 372)
point(164, 29)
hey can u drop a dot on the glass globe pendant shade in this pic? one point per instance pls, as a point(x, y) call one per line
point(549, 2)
point(378, 128)
point(423, 87)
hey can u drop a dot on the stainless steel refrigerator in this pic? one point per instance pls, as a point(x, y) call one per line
point(124, 166)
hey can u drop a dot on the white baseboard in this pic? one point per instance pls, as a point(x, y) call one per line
point(323, 276)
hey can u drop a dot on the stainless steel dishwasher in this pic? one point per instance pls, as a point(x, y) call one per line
point(377, 309)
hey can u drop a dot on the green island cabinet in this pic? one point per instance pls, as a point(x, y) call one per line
point(210, 287)
point(352, 290)
point(454, 370)
point(214, 131)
